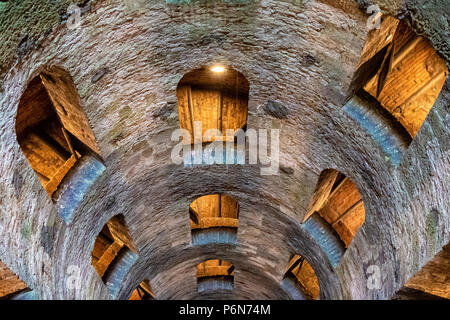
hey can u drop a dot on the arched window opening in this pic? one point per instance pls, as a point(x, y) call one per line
point(215, 275)
point(214, 219)
point(52, 129)
point(11, 287)
point(300, 280)
point(114, 253)
point(218, 98)
point(143, 292)
point(402, 71)
point(338, 201)
point(336, 213)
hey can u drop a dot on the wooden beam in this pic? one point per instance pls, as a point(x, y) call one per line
point(69, 143)
point(193, 215)
point(219, 114)
point(108, 257)
point(342, 216)
point(425, 87)
point(191, 110)
point(52, 185)
point(299, 260)
point(405, 50)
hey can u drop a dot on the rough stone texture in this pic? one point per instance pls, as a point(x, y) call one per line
point(24, 24)
point(391, 137)
point(147, 48)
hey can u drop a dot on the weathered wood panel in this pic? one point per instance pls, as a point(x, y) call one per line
point(67, 103)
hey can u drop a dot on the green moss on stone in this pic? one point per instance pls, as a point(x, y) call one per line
point(23, 23)
point(26, 230)
point(431, 229)
point(126, 117)
point(110, 109)
point(125, 112)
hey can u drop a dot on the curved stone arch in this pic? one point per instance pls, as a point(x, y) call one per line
point(300, 280)
point(186, 268)
point(151, 266)
point(114, 254)
point(214, 218)
point(330, 283)
point(215, 274)
point(412, 166)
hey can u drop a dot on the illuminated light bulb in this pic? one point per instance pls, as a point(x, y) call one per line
point(218, 69)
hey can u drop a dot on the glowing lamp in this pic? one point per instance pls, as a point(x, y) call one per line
point(218, 69)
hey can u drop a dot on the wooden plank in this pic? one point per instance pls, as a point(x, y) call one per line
point(354, 217)
point(42, 157)
point(100, 246)
point(108, 257)
point(146, 286)
point(229, 207)
point(214, 267)
point(54, 182)
point(340, 200)
point(212, 222)
point(119, 231)
point(65, 100)
point(307, 278)
point(434, 277)
point(206, 104)
point(324, 185)
point(184, 110)
point(292, 262)
point(69, 143)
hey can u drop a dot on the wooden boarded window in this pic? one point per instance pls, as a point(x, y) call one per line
point(215, 274)
point(402, 71)
point(338, 201)
point(143, 292)
point(51, 127)
point(217, 100)
point(114, 252)
point(214, 219)
point(301, 277)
